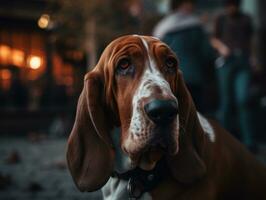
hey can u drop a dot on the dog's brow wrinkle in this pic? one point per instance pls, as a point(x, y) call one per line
point(156, 38)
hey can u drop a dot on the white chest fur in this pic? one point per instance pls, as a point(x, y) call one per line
point(206, 127)
point(116, 189)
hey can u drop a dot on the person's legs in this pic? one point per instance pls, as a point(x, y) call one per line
point(225, 76)
point(242, 81)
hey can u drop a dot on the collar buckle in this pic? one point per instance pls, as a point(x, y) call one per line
point(134, 188)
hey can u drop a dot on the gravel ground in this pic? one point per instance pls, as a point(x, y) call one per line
point(33, 169)
point(37, 170)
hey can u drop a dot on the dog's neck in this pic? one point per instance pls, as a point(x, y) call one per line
point(116, 189)
point(140, 181)
point(131, 182)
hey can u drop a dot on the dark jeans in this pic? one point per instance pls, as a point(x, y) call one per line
point(233, 81)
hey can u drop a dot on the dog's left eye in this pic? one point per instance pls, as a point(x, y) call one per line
point(171, 63)
point(125, 67)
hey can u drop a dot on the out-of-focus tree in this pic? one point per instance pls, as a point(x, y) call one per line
point(89, 25)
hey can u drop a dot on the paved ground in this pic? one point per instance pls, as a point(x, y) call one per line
point(37, 170)
point(33, 169)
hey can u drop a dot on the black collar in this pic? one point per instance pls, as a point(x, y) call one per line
point(141, 181)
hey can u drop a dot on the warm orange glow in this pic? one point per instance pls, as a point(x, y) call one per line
point(11, 56)
point(68, 81)
point(44, 20)
point(4, 52)
point(5, 74)
point(35, 62)
point(17, 57)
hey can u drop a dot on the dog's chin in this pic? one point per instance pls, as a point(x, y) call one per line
point(147, 156)
point(149, 159)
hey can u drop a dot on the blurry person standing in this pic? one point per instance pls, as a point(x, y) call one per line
point(182, 30)
point(232, 39)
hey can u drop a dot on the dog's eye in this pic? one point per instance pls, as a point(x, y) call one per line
point(124, 63)
point(124, 67)
point(171, 63)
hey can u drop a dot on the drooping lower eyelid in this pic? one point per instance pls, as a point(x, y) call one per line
point(125, 71)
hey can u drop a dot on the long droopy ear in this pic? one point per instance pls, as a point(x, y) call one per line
point(187, 165)
point(90, 155)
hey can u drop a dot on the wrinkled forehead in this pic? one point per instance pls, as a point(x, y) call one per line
point(138, 40)
point(135, 44)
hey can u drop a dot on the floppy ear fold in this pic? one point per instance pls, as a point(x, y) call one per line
point(187, 165)
point(90, 155)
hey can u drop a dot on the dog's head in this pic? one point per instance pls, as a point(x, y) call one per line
point(137, 86)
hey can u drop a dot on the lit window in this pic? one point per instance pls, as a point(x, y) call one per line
point(5, 52)
point(17, 57)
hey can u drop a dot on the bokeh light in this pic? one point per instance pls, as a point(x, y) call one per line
point(44, 20)
point(35, 62)
point(5, 74)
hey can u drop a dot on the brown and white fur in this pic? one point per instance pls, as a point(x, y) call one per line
point(203, 160)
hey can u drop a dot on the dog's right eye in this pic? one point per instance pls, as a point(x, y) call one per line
point(124, 63)
point(125, 67)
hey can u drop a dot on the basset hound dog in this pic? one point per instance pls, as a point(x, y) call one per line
point(165, 149)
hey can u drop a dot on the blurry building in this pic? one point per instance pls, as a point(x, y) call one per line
point(39, 81)
point(29, 58)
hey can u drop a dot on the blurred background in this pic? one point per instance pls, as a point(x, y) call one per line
point(46, 47)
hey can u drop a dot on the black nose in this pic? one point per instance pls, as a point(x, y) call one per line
point(161, 111)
